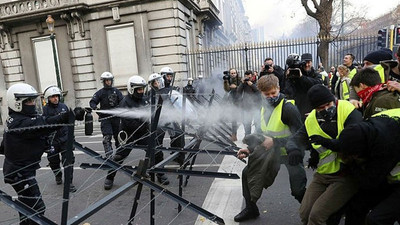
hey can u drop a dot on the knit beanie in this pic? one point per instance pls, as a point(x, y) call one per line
point(319, 95)
point(380, 55)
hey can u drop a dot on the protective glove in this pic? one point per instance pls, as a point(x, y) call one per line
point(332, 144)
point(295, 157)
point(79, 113)
point(313, 160)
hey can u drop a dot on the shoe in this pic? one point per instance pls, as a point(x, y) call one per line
point(72, 188)
point(246, 214)
point(234, 137)
point(108, 184)
point(58, 180)
point(162, 179)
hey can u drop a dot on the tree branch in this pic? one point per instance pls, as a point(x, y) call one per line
point(308, 10)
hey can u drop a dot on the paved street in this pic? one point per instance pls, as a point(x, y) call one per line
point(222, 197)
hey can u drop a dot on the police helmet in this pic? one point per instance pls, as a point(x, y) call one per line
point(18, 93)
point(50, 91)
point(166, 71)
point(107, 76)
point(155, 77)
point(135, 82)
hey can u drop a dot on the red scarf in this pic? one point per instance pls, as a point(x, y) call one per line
point(367, 93)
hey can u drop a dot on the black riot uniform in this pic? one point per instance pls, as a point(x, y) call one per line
point(109, 98)
point(58, 140)
point(23, 150)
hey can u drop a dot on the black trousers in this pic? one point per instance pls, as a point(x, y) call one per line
point(29, 194)
point(55, 160)
point(372, 207)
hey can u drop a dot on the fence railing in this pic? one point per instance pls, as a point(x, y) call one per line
point(250, 56)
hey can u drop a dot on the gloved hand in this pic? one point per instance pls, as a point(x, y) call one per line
point(332, 144)
point(313, 160)
point(79, 113)
point(295, 157)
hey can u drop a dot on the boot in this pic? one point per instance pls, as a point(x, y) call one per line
point(72, 188)
point(246, 214)
point(108, 184)
point(59, 178)
point(162, 179)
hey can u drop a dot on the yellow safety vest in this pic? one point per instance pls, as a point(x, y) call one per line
point(352, 73)
point(328, 160)
point(345, 90)
point(275, 127)
point(381, 72)
point(394, 175)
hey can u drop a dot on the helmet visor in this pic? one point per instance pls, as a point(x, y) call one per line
point(158, 83)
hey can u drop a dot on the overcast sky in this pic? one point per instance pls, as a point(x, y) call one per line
point(279, 17)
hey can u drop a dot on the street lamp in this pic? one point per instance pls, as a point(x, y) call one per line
point(50, 25)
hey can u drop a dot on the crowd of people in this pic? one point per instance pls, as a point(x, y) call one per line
point(343, 118)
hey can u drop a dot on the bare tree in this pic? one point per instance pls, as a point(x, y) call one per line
point(322, 12)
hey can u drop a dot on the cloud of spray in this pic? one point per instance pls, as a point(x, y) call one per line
point(199, 115)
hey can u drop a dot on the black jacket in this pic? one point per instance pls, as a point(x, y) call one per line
point(297, 88)
point(61, 136)
point(139, 127)
point(107, 97)
point(23, 149)
point(380, 152)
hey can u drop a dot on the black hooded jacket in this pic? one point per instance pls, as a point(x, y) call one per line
point(377, 152)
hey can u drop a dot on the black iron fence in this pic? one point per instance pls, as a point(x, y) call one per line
point(250, 56)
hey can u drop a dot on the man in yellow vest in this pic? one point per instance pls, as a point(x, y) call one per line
point(330, 188)
point(374, 95)
point(279, 119)
point(373, 60)
point(373, 157)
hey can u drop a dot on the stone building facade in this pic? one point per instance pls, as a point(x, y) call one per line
point(125, 37)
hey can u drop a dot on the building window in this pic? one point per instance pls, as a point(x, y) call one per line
point(122, 52)
point(44, 60)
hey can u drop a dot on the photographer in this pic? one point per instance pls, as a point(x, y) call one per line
point(250, 100)
point(300, 77)
point(231, 82)
point(270, 68)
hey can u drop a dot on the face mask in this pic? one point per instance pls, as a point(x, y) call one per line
point(273, 100)
point(29, 109)
point(327, 114)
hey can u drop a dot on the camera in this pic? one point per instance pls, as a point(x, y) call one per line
point(246, 79)
point(293, 64)
point(226, 75)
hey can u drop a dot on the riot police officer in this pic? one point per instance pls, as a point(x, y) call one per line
point(132, 130)
point(23, 148)
point(109, 97)
point(53, 107)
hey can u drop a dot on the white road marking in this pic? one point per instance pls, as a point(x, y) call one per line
point(224, 198)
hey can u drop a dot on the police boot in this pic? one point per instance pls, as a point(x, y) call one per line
point(246, 214)
point(59, 178)
point(107, 145)
point(72, 188)
point(162, 179)
point(108, 184)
